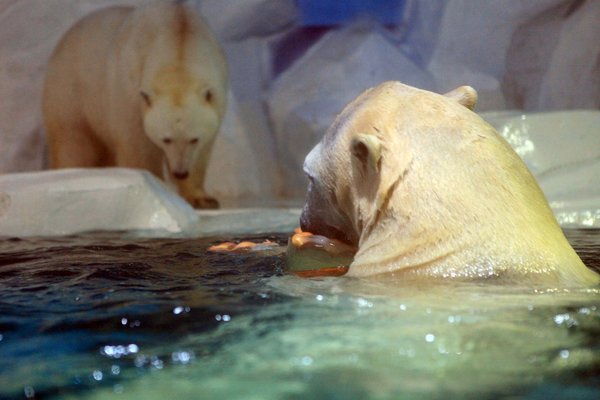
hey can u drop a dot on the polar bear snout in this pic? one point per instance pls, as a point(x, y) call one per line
point(313, 222)
point(310, 222)
point(180, 174)
point(315, 211)
point(304, 223)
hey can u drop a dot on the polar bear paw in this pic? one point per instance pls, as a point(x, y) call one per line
point(201, 200)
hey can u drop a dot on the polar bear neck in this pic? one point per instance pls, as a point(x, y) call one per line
point(406, 243)
point(481, 219)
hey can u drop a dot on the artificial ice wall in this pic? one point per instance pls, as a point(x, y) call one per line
point(295, 64)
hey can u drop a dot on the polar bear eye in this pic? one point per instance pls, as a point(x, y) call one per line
point(194, 141)
point(167, 140)
point(208, 96)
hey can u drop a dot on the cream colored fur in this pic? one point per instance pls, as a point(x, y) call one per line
point(138, 87)
point(424, 187)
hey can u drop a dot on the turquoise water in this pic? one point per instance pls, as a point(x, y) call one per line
point(104, 316)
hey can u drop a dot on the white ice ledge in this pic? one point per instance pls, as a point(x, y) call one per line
point(71, 201)
point(63, 202)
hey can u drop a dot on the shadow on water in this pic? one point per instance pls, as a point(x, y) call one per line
point(96, 312)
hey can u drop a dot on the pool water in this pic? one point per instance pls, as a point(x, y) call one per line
point(108, 316)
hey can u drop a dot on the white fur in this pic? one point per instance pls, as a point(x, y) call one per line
point(136, 87)
point(449, 197)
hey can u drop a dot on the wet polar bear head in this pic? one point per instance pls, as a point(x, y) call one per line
point(423, 186)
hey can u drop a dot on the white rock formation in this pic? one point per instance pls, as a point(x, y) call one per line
point(552, 61)
point(305, 99)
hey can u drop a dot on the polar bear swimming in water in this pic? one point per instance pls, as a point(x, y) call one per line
point(138, 87)
point(423, 187)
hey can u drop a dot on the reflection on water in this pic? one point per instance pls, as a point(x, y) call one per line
point(98, 315)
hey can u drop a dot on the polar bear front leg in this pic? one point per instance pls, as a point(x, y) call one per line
point(75, 148)
point(192, 187)
point(195, 195)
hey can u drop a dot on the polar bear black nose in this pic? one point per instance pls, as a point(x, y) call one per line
point(180, 174)
point(304, 223)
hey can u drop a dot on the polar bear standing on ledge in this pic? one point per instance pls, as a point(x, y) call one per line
point(424, 187)
point(138, 87)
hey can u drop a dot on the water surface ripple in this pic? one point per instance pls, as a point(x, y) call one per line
point(103, 314)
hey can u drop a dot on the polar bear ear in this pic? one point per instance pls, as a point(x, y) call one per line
point(465, 95)
point(147, 98)
point(366, 149)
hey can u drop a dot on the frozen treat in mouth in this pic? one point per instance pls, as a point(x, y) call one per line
point(310, 255)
